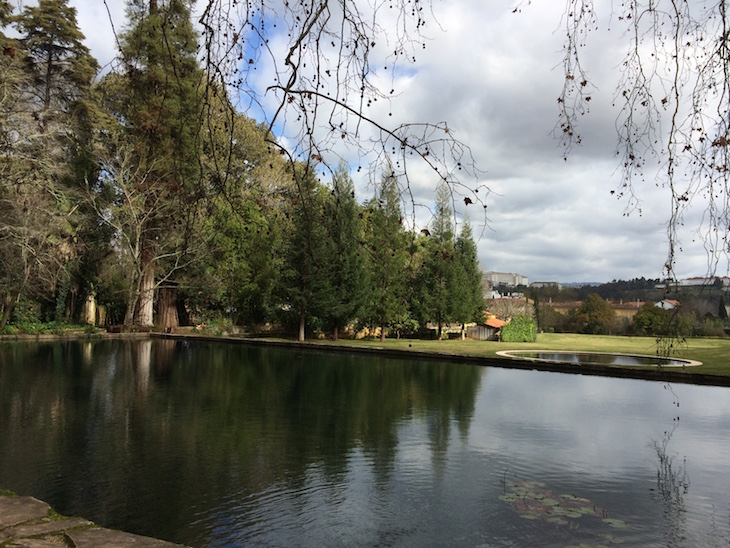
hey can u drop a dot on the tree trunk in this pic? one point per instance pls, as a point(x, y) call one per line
point(382, 330)
point(167, 318)
point(88, 313)
point(8, 306)
point(335, 333)
point(302, 318)
point(145, 302)
point(463, 332)
point(441, 330)
point(129, 312)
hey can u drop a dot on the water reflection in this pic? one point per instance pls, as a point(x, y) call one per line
point(220, 445)
point(179, 421)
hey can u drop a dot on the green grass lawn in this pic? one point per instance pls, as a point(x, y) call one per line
point(713, 353)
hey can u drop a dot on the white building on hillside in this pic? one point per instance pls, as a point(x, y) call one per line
point(504, 278)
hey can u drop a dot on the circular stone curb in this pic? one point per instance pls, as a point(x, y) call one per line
point(510, 354)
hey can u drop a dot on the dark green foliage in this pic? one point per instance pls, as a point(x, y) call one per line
point(60, 64)
point(594, 316)
point(436, 281)
point(651, 320)
point(343, 263)
point(246, 224)
point(710, 326)
point(153, 150)
point(64, 283)
point(304, 279)
point(46, 74)
point(521, 328)
point(387, 258)
point(161, 103)
point(551, 321)
point(468, 296)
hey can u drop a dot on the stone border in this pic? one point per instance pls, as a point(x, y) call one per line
point(29, 522)
point(685, 363)
point(661, 374)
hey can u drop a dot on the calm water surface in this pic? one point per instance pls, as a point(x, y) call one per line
point(223, 445)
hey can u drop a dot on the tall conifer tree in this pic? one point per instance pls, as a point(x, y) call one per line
point(43, 129)
point(388, 259)
point(436, 279)
point(468, 297)
point(304, 280)
point(158, 102)
point(344, 263)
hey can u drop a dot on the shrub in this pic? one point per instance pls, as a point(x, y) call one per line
point(520, 329)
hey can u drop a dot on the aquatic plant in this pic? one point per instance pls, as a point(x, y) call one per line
point(532, 500)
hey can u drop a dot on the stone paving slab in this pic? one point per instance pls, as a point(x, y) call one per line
point(14, 510)
point(26, 522)
point(42, 527)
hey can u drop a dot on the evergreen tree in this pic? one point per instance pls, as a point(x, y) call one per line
point(61, 66)
point(722, 309)
point(304, 279)
point(437, 279)
point(157, 102)
point(343, 268)
point(387, 256)
point(61, 71)
point(5, 12)
point(46, 76)
point(245, 219)
point(468, 298)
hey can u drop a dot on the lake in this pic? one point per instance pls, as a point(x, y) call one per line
point(223, 444)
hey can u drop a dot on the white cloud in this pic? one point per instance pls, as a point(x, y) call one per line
point(495, 77)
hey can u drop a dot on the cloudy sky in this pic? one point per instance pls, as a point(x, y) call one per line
point(495, 76)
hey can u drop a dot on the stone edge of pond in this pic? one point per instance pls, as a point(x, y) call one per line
point(663, 374)
point(28, 521)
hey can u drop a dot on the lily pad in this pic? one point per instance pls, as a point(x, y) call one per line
point(528, 516)
point(611, 539)
point(573, 514)
point(616, 523)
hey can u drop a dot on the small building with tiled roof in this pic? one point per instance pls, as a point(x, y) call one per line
point(667, 304)
point(487, 331)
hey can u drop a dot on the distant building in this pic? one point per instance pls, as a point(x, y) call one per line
point(627, 310)
point(688, 282)
point(504, 278)
point(667, 304)
point(488, 331)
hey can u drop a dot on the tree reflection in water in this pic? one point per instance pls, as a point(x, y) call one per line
point(672, 484)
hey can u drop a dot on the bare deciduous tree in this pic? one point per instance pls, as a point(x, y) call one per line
point(126, 204)
point(316, 71)
point(673, 96)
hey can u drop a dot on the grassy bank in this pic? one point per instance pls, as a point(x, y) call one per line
point(713, 353)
